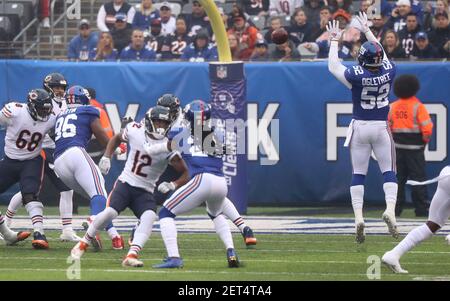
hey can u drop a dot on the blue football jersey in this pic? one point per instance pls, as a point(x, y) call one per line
point(73, 128)
point(196, 159)
point(370, 91)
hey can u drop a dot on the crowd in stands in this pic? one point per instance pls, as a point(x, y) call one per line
point(408, 30)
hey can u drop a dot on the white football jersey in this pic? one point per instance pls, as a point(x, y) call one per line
point(284, 7)
point(24, 135)
point(48, 142)
point(141, 170)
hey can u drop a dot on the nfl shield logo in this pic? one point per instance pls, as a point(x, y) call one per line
point(221, 72)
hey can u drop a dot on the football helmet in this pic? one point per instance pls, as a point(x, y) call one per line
point(157, 130)
point(172, 102)
point(39, 104)
point(55, 80)
point(370, 54)
point(77, 95)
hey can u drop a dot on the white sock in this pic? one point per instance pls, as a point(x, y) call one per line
point(36, 212)
point(230, 211)
point(390, 193)
point(223, 230)
point(100, 221)
point(169, 234)
point(66, 208)
point(14, 204)
point(357, 194)
point(415, 237)
point(4, 230)
point(112, 232)
point(143, 231)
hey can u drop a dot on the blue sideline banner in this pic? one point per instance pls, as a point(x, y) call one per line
point(228, 95)
point(307, 160)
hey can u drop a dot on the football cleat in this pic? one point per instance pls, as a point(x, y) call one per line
point(391, 223)
point(170, 263)
point(21, 235)
point(249, 238)
point(117, 243)
point(360, 236)
point(39, 241)
point(132, 261)
point(69, 235)
point(96, 243)
point(78, 250)
point(393, 263)
point(233, 260)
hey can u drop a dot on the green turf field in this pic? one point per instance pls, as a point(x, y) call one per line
point(275, 257)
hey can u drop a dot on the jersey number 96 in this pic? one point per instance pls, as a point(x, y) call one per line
point(64, 128)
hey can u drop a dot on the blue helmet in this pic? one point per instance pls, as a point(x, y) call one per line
point(77, 95)
point(197, 113)
point(370, 54)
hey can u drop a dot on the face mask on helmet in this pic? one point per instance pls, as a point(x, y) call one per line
point(40, 104)
point(157, 122)
point(56, 85)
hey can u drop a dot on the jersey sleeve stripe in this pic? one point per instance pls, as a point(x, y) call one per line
point(7, 112)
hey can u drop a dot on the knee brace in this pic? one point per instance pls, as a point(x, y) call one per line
point(164, 212)
point(28, 198)
point(358, 179)
point(389, 176)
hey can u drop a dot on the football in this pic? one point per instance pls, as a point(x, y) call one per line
point(279, 36)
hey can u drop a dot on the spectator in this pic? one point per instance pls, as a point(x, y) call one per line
point(246, 34)
point(256, 7)
point(237, 10)
point(312, 10)
point(301, 30)
point(146, 14)
point(423, 48)
point(175, 43)
point(283, 52)
point(325, 16)
point(364, 5)
point(261, 52)
point(412, 128)
point(275, 23)
point(343, 4)
point(105, 50)
point(378, 27)
point(284, 8)
point(440, 36)
point(235, 47)
point(44, 9)
point(200, 49)
point(121, 33)
point(197, 19)
point(137, 50)
point(397, 21)
point(407, 34)
point(168, 21)
point(350, 34)
point(81, 45)
point(391, 45)
point(155, 40)
point(106, 17)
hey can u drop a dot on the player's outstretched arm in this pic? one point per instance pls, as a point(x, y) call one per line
point(99, 132)
point(113, 144)
point(180, 166)
point(334, 64)
point(362, 19)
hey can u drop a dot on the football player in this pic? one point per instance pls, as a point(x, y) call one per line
point(370, 82)
point(135, 186)
point(207, 185)
point(73, 131)
point(26, 126)
point(55, 84)
point(439, 214)
point(229, 210)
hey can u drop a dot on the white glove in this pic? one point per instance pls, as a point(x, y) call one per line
point(154, 149)
point(165, 187)
point(334, 31)
point(362, 19)
point(104, 165)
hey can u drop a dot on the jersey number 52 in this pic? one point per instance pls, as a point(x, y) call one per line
point(375, 96)
point(64, 128)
